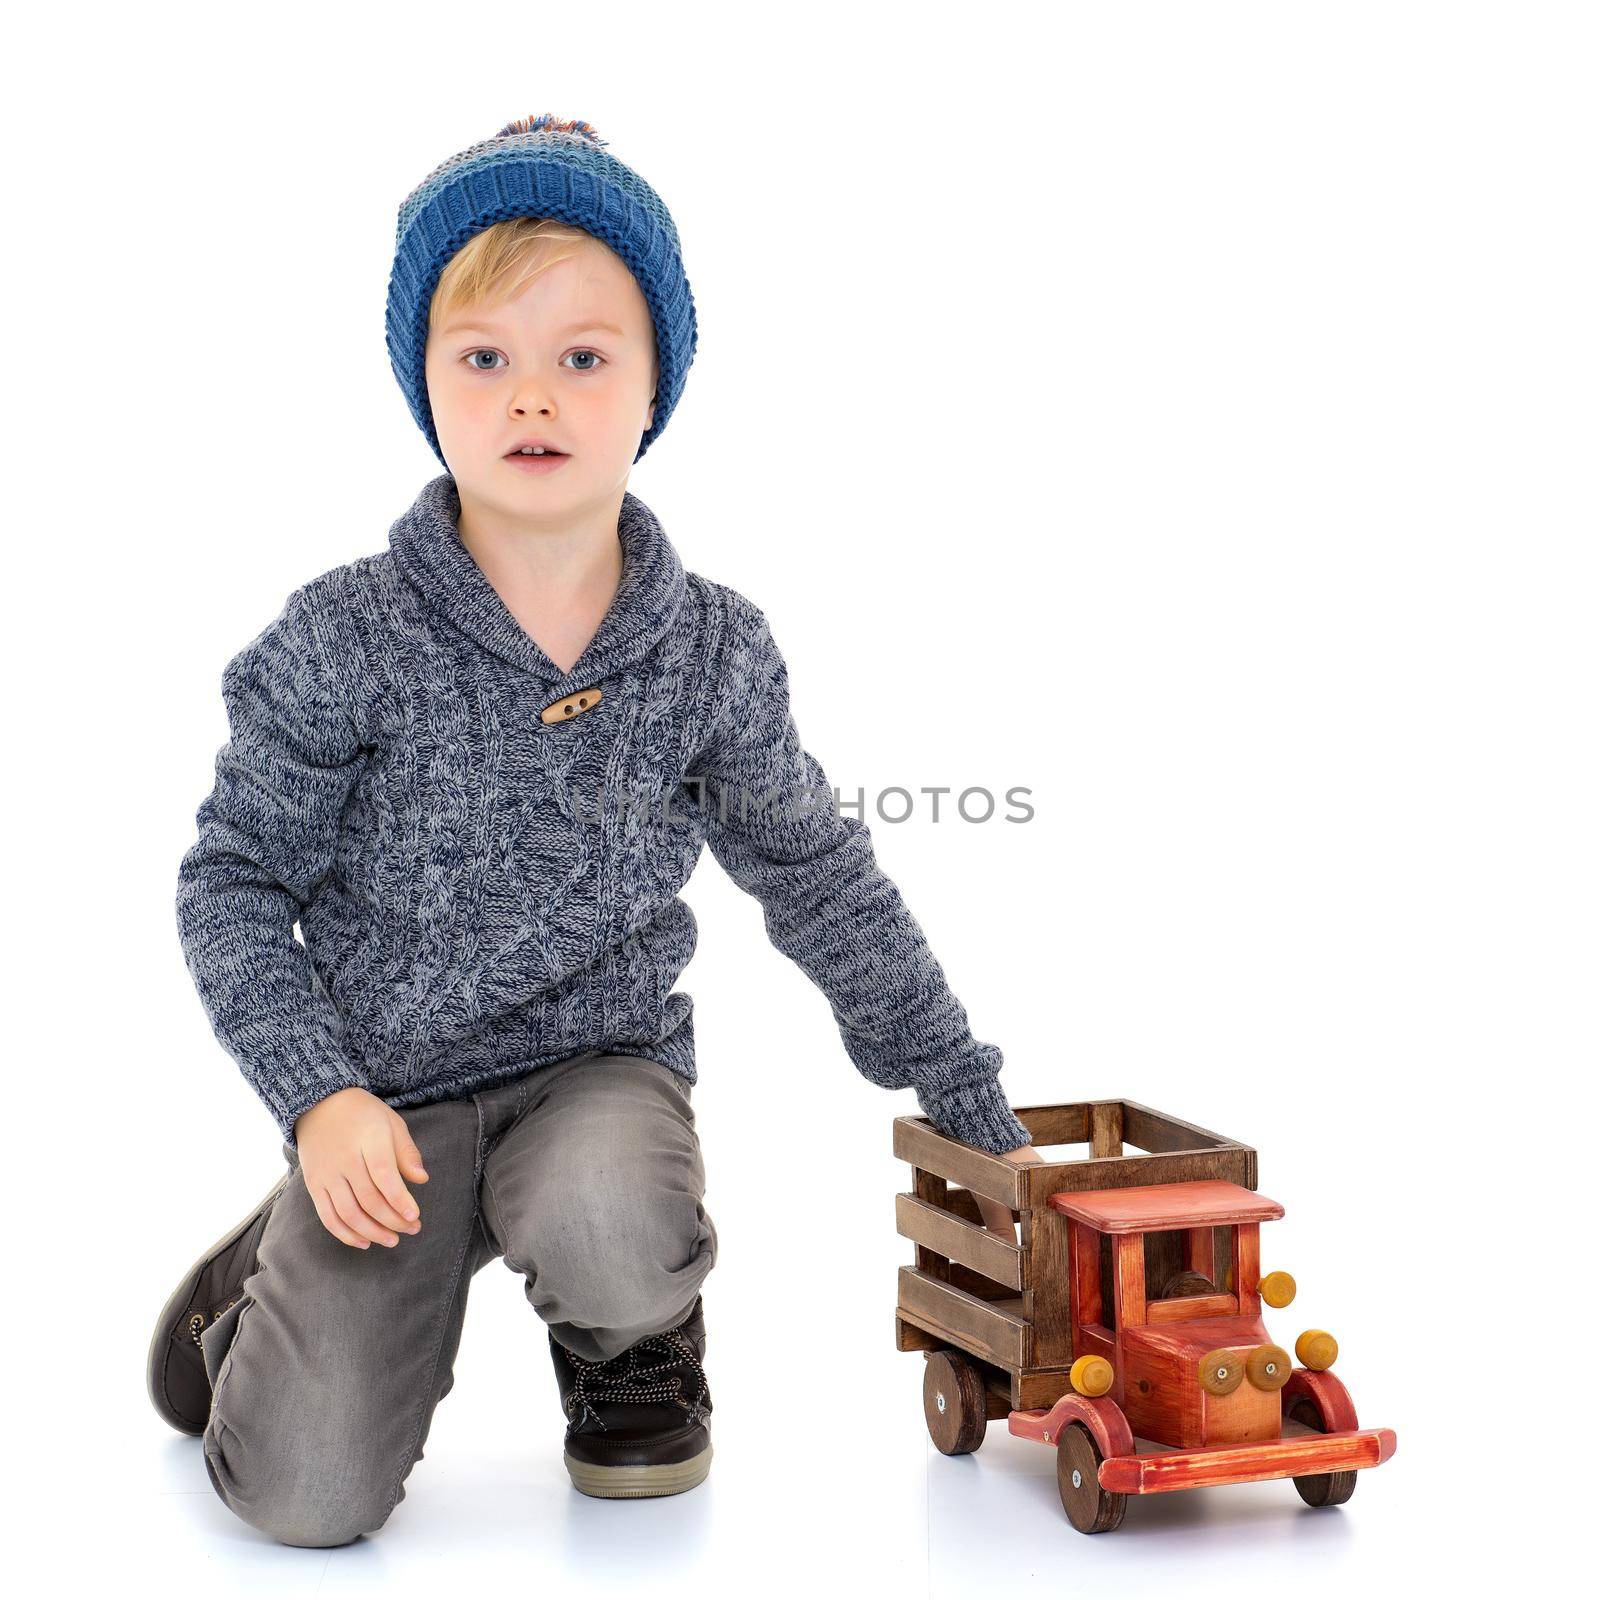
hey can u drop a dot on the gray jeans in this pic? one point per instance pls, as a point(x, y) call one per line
point(585, 1175)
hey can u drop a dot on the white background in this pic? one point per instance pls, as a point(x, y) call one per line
point(1186, 412)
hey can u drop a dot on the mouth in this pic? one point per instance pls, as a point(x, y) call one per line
point(535, 461)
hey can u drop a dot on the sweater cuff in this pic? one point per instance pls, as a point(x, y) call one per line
point(286, 1101)
point(977, 1114)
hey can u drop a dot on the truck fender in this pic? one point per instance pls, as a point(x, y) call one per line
point(1327, 1394)
point(1101, 1415)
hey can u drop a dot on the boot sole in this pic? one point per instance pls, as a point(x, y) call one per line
point(634, 1483)
point(178, 1306)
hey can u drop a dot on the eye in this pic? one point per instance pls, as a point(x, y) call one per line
point(595, 358)
point(472, 356)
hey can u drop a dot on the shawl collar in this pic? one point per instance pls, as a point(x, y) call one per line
point(426, 544)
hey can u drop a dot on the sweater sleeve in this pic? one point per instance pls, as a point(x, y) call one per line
point(772, 822)
point(266, 836)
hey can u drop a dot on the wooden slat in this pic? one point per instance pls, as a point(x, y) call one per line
point(916, 1140)
point(1230, 1163)
point(1047, 1297)
point(975, 1325)
point(1157, 1132)
point(930, 1187)
point(1061, 1124)
point(1190, 1307)
point(958, 1240)
point(1105, 1128)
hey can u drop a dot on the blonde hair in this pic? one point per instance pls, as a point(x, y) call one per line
point(502, 260)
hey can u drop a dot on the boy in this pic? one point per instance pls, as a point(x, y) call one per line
point(477, 768)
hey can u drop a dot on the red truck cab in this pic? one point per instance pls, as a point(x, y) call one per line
point(1197, 1393)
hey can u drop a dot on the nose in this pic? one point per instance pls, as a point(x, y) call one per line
point(531, 396)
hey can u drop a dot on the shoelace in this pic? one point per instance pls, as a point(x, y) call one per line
point(630, 1377)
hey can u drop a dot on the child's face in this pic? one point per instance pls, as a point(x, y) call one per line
point(570, 360)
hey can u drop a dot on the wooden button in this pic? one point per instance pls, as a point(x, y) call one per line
point(572, 706)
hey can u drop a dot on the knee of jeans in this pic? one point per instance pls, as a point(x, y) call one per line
point(655, 1224)
point(313, 1506)
point(319, 1522)
point(317, 1530)
point(619, 1296)
point(634, 1273)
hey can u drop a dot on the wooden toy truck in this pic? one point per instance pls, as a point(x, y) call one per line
point(1125, 1329)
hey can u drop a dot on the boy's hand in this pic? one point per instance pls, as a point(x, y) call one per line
point(997, 1217)
point(354, 1150)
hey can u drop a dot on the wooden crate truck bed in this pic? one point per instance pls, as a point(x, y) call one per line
point(1009, 1305)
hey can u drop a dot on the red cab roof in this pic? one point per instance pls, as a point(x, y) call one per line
point(1149, 1206)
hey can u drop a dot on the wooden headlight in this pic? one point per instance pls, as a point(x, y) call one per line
point(1277, 1289)
point(1317, 1349)
point(1091, 1375)
point(1268, 1366)
point(1221, 1371)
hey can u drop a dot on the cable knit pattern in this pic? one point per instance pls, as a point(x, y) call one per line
point(479, 892)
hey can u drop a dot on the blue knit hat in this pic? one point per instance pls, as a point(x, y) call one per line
point(537, 167)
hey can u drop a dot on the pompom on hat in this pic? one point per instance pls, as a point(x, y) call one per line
point(542, 166)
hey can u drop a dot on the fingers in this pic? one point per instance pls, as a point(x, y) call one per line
point(354, 1217)
point(332, 1221)
point(352, 1149)
point(352, 1157)
point(382, 1195)
point(399, 1206)
point(406, 1152)
point(347, 1219)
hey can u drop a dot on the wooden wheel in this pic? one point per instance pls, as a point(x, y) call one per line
point(953, 1401)
point(1318, 1488)
point(1089, 1508)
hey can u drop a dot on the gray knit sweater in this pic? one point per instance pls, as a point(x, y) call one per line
point(481, 892)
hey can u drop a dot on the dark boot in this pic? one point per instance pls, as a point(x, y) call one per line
point(175, 1370)
point(638, 1424)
